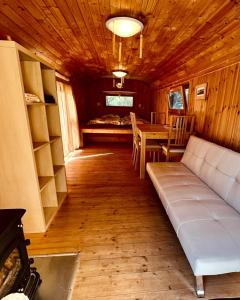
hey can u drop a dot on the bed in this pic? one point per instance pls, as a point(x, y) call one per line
point(112, 126)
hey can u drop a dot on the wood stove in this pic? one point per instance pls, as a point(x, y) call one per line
point(16, 275)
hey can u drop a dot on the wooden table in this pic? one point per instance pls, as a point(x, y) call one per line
point(149, 131)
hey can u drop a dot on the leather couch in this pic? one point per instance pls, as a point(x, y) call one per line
point(201, 195)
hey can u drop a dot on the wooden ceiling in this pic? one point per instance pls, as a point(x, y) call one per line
point(179, 36)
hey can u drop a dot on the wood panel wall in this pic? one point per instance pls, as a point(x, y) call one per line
point(217, 117)
point(79, 86)
point(90, 98)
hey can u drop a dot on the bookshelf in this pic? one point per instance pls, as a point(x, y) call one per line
point(32, 174)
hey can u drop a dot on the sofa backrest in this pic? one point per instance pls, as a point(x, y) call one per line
point(217, 166)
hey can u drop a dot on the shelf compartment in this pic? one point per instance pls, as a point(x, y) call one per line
point(57, 152)
point(32, 78)
point(53, 138)
point(57, 168)
point(61, 196)
point(49, 194)
point(49, 84)
point(49, 214)
point(60, 181)
point(44, 181)
point(43, 160)
point(38, 123)
point(38, 145)
point(53, 120)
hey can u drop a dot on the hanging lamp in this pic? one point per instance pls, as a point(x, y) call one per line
point(119, 74)
point(125, 27)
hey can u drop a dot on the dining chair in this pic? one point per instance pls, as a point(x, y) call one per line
point(158, 117)
point(180, 129)
point(152, 146)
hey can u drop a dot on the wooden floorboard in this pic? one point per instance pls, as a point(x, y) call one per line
point(128, 249)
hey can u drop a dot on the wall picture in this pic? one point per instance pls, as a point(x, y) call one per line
point(201, 91)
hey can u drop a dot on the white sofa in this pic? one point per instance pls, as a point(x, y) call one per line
point(201, 195)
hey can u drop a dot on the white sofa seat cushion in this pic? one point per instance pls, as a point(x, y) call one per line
point(188, 211)
point(174, 182)
point(212, 246)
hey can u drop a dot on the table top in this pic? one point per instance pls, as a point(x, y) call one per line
point(152, 128)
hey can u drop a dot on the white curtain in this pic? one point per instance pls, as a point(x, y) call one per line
point(68, 117)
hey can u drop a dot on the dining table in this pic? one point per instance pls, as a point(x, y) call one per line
point(149, 131)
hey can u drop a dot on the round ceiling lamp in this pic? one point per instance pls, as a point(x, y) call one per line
point(124, 26)
point(119, 73)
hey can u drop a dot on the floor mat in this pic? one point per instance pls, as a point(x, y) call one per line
point(57, 273)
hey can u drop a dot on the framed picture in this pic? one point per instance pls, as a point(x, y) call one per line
point(201, 91)
point(176, 99)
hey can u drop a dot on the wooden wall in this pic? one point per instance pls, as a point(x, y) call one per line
point(95, 98)
point(79, 86)
point(218, 117)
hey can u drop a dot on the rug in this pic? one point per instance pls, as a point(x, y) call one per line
point(57, 273)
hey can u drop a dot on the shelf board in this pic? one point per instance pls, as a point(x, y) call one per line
point(53, 138)
point(49, 214)
point(35, 103)
point(39, 145)
point(61, 197)
point(43, 181)
point(57, 168)
point(51, 104)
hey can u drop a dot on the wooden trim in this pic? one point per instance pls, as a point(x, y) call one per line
point(107, 130)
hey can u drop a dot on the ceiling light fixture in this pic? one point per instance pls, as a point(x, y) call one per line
point(125, 27)
point(119, 73)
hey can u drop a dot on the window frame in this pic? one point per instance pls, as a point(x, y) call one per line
point(121, 95)
point(185, 102)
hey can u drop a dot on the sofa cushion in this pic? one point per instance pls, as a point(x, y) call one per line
point(174, 182)
point(212, 246)
point(217, 166)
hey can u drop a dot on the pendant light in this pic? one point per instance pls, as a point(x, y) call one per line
point(125, 27)
point(119, 73)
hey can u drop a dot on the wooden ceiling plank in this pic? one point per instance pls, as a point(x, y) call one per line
point(88, 22)
point(185, 48)
point(104, 11)
point(70, 36)
point(24, 25)
point(49, 22)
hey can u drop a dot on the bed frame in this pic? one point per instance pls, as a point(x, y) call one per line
point(103, 131)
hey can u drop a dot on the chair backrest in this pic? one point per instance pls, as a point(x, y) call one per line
point(158, 117)
point(181, 127)
point(134, 125)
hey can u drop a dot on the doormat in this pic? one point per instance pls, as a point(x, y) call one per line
point(57, 273)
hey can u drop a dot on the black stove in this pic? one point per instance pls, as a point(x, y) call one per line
point(16, 273)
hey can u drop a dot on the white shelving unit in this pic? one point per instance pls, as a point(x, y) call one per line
point(32, 172)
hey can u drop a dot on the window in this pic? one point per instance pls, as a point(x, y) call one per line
point(120, 101)
point(178, 99)
point(175, 98)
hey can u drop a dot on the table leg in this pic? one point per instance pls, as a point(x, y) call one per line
point(143, 157)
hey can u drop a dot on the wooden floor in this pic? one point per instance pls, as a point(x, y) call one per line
point(128, 248)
